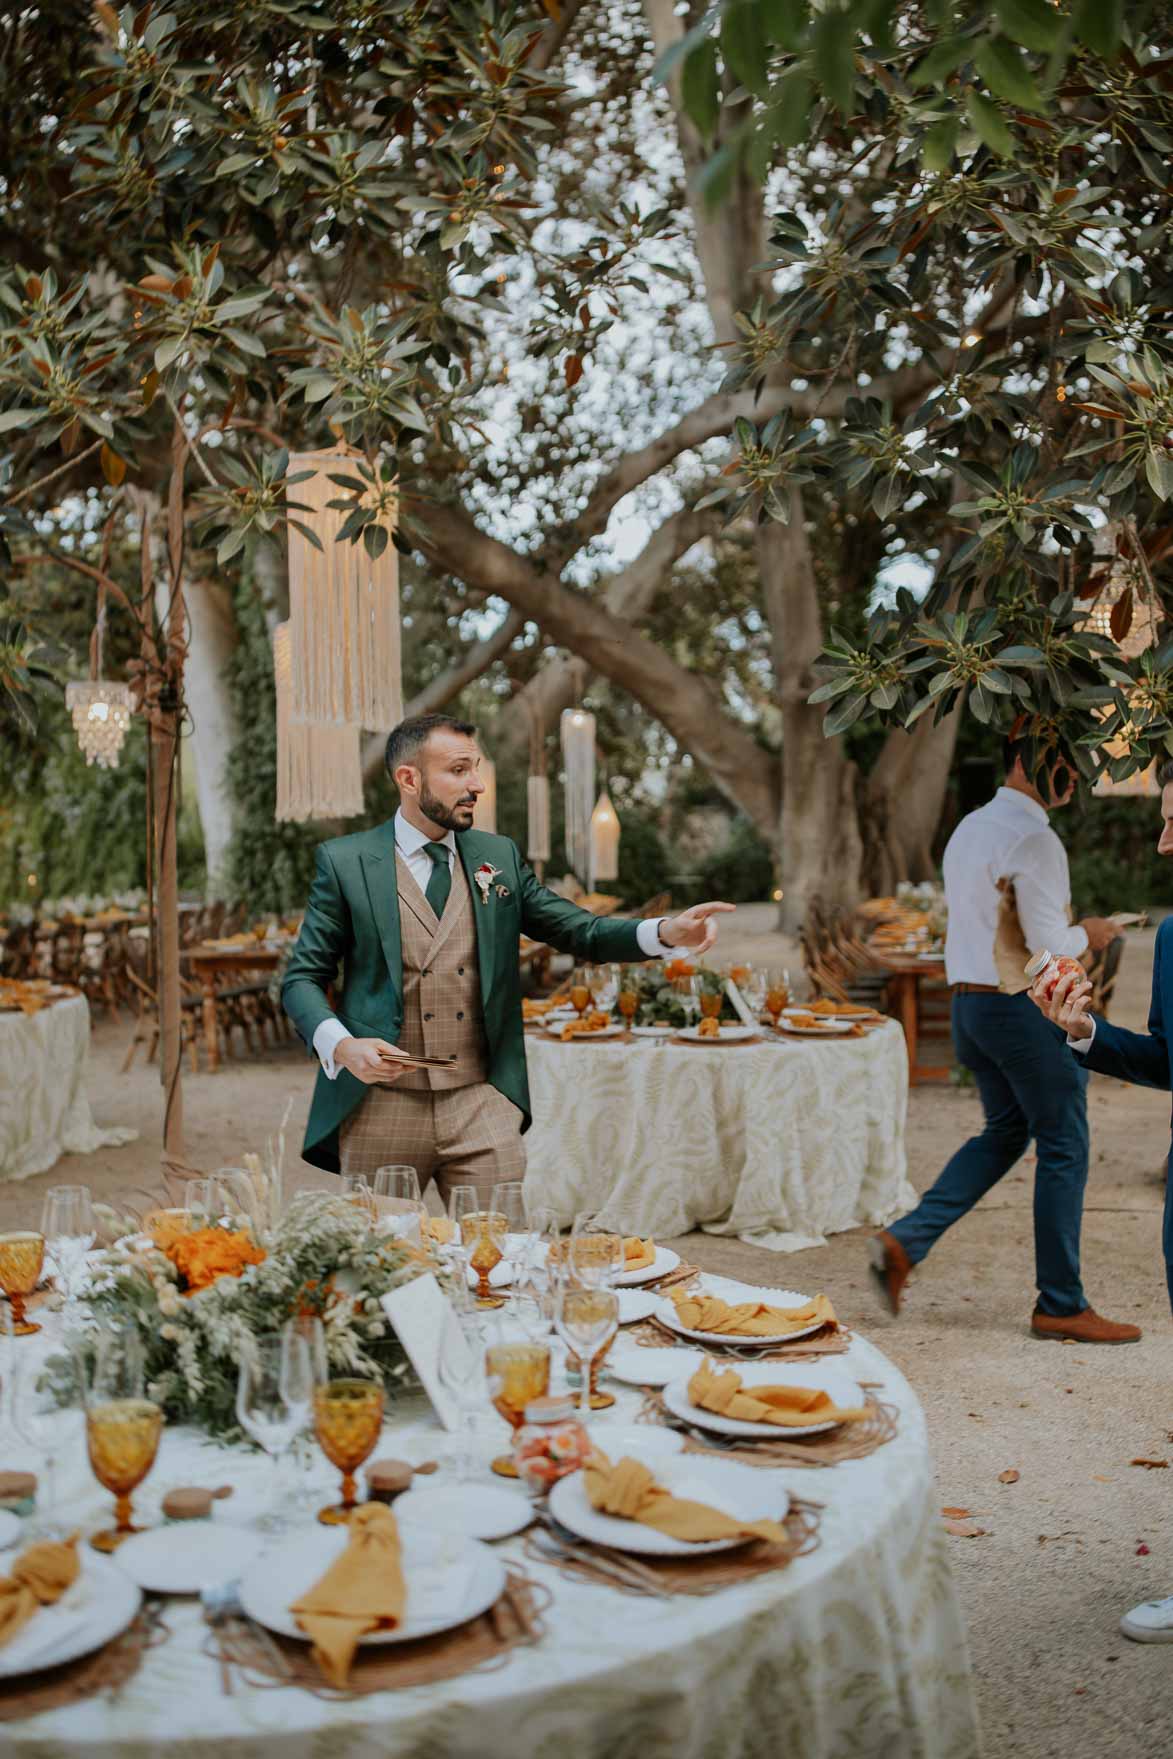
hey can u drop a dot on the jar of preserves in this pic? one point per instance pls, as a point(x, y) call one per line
point(550, 1444)
point(1046, 968)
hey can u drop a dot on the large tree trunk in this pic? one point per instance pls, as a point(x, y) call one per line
point(820, 843)
point(212, 639)
point(903, 803)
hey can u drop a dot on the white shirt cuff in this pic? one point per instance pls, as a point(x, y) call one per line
point(1081, 1046)
point(650, 944)
point(326, 1041)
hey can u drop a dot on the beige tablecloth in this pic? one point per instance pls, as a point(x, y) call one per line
point(44, 1107)
point(780, 1143)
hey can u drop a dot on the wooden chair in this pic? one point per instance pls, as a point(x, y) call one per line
point(659, 905)
point(96, 976)
point(146, 1029)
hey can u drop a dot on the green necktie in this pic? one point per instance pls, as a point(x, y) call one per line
point(440, 883)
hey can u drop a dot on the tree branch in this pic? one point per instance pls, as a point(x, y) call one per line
point(688, 706)
point(448, 684)
point(556, 33)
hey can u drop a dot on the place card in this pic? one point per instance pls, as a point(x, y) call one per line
point(740, 1006)
point(422, 1316)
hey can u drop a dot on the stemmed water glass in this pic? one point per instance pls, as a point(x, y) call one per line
point(67, 1222)
point(604, 986)
point(122, 1427)
point(40, 1416)
point(515, 1374)
point(354, 1188)
point(22, 1256)
point(274, 1387)
point(310, 1329)
point(460, 1366)
point(483, 1234)
point(508, 1199)
point(586, 1320)
point(398, 1206)
point(348, 1419)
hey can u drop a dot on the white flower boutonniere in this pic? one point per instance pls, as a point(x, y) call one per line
point(484, 876)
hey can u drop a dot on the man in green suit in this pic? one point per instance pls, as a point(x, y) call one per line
point(423, 1060)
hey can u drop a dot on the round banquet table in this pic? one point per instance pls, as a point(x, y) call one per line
point(856, 1648)
point(44, 1106)
point(781, 1142)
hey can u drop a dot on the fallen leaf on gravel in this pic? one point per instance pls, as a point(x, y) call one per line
point(1100, 1479)
point(1150, 1465)
point(1142, 1551)
point(965, 1530)
point(1009, 1476)
point(955, 1514)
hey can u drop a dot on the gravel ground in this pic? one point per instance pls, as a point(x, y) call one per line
point(1059, 1558)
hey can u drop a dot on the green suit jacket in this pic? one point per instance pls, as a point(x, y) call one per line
point(352, 920)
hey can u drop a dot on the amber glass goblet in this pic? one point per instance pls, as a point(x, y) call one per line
point(515, 1374)
point(580, 992)
point(711, 1003)
point(483, 1236)
point(122, 1437)
point(21, 1258)
point(628, 1005)
point(776, 998)
point(348, 1416)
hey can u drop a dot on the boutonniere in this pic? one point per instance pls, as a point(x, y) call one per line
point(484, 876)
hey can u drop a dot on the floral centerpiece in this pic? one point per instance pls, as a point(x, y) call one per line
point(199, 1303)
point(661, 1004)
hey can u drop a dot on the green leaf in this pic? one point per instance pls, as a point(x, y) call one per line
point(942, 59)
point(833, 56)
point(230, 544)
point(375, 540)
point(715, 179)
point(1100, 24)
point(845, 715)
point(1020, 656)
point(743, 46)
point(19, 418)
point(168, 350)
point(1158, 468)
point(1033, 23)
point(785, 121)
point(700, 87)
point(833, 688)
point(785, 21)
point(988, 124)
point(937, 152)
point(1005, 72)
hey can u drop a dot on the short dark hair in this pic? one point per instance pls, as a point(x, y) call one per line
point(1165, 773)
point(407, 740)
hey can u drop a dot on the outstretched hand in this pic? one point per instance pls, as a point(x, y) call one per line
point(1068, 1004)
point(694, 928)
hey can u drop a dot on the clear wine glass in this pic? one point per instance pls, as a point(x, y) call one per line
point(508, 1199)
point(460, 1366)
point(595, 1251)
point(309, 1327)
point(274, 1389)
point(67, 1222)
point(586, 1321)
point(38, 1415)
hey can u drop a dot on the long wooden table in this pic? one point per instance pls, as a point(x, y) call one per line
point(904, 981)
point(207, 964)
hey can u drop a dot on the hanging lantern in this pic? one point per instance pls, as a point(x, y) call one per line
point(537, 800)
point(577, 729)
point(319, 768)
point(100, 710)
point(604, 841)
point(343, 610)
point(484, 816)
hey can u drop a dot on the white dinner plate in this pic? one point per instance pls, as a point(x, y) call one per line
point(97, 1608)
point(860, 1013)
point(745, 1492)
point(652, 1031)
point(828, 1377)
point(11, 1528)
point(611, 1031)
point(824, 1029)
point(635, 1304)
point(477, 1511)
point(186, 1557)
point(664, 1261)
point(449, 1580)
point(730, 1034)
point(666, 1313)
point(640, 1366)
point(638, 1440)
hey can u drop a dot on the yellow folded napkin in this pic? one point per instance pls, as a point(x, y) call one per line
point(638, 1254)
point(790, 1407)
point(39, 1577)
point(363, 1590)
point(750, 1319)
point(630, 1491)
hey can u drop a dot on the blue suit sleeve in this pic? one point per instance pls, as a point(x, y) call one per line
point(1136, 1056)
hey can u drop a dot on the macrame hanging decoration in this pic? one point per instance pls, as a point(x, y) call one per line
point(604, 841)
point(537, 796)
point(343, 609)
point(484, 817)
point(100, 708)
point(319, 768)
point(577, 729)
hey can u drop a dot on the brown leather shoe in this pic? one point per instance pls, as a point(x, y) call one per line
point(1087, 1327)
point(891, 1268)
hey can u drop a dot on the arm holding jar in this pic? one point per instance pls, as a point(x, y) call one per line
point(1142, 1058)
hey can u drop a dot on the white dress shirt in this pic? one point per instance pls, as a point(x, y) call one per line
point(409, 844)
point(1007, 839)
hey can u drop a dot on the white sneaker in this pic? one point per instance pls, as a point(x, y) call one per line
point(1150, 1622)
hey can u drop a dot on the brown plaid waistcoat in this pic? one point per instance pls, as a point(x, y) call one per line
point(441, 984)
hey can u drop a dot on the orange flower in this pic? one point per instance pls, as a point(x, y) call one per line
point(679, 968)
point(204, 1256)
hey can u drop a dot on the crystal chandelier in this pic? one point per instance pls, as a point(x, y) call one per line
point(100, 710)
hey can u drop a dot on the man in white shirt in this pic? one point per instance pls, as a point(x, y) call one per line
point(1008, 892)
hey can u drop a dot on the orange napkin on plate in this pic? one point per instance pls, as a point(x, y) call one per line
point(790, 1407)
point(749, 1319)
point(39, 1577)
point(629, 1490)
point(638, 1254)
point(363, 1590)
